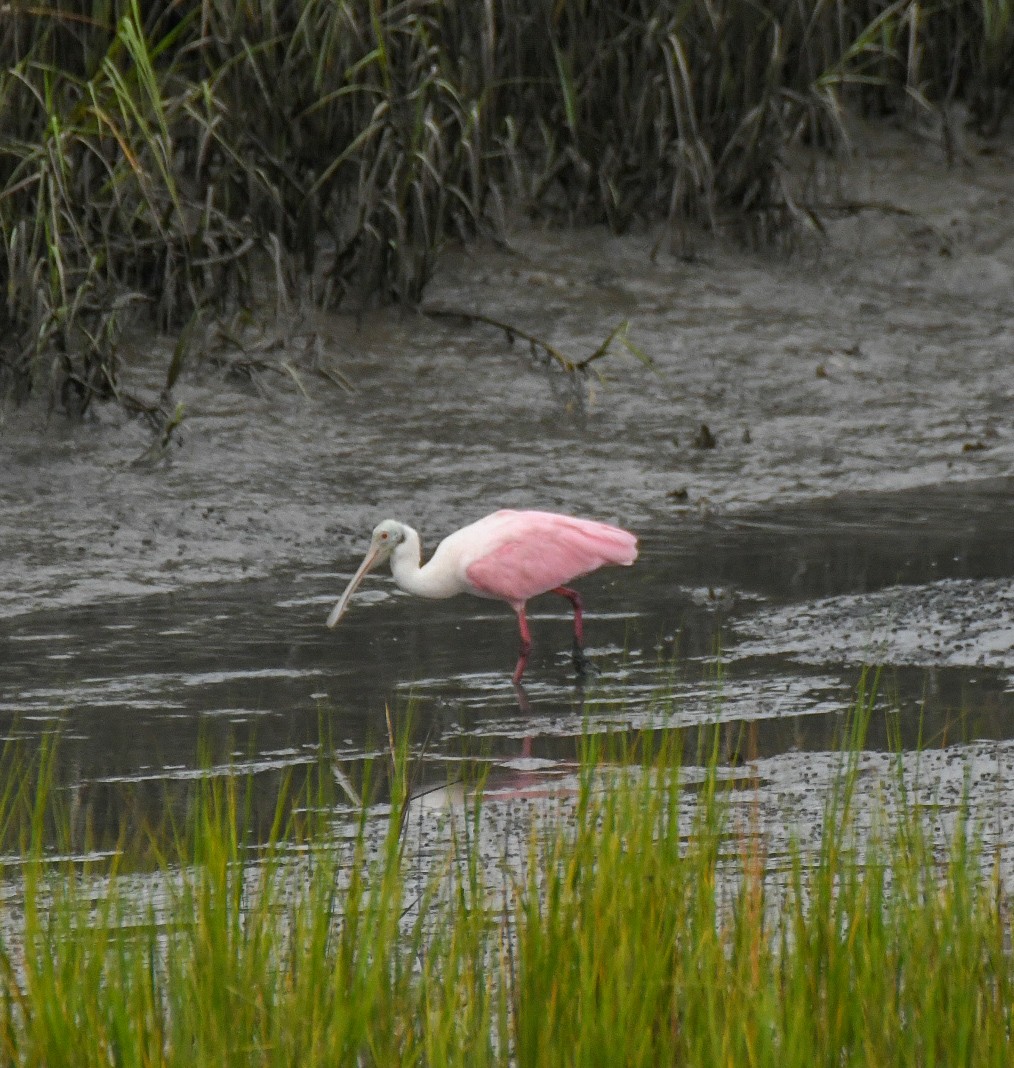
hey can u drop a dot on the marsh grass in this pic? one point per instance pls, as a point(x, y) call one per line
point(651, 925)
point(186, 159)
point(659, 929)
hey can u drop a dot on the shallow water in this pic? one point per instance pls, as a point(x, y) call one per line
point(762, 622)
point(856, 508)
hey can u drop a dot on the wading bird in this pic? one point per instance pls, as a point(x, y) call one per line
point(508, 556)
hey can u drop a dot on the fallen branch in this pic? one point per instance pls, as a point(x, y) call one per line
point(885, 207)
point(510, 330)
point(854, 207)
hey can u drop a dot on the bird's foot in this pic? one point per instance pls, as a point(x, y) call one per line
point(582, 664)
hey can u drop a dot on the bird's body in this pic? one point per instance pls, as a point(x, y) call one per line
point(507, 556)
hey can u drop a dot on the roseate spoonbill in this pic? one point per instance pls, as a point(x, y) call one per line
point(508, 556)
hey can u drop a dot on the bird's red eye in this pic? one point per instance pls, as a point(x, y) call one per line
point(383, 535)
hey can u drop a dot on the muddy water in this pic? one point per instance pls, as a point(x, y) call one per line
point(763, 622)
point(854, 506)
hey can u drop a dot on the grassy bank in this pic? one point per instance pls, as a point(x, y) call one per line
point(652, 927)
point(180, 158)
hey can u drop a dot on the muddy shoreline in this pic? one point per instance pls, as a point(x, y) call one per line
point(879, 357)
point(855, 508)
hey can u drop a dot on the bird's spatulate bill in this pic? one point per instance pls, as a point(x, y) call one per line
point(369, 562)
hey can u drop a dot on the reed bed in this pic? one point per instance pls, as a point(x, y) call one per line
point(652, 928)
point(185, 158)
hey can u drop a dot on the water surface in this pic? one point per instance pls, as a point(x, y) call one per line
point(855, 509)
point(701, 629)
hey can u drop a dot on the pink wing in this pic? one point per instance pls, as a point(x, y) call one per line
point(532, 552)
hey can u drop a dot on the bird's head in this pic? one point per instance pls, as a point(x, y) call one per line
point(387, 536)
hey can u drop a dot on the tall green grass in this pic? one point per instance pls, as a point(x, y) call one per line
point(653, 926)
point(181, 158)
point(659, 930)
point(292, 950)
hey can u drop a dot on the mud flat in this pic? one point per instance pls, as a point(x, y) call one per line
point(876, 357)
point(850, 503)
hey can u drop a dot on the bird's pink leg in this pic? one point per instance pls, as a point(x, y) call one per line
point(581, 662)
point(526, 645)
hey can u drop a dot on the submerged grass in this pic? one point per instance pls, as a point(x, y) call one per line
point(652, 927)
point(187, 157)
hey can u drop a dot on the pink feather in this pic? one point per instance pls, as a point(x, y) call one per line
point(527, 553)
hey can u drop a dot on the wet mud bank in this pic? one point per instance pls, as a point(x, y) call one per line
point(877, 357)
point(850, 503)
point(764, 622)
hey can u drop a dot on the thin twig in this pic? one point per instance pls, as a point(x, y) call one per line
point(510, 330)
point(854, 207)
point(885, 207)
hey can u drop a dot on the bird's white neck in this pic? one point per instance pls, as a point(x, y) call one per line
point(421, 581)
